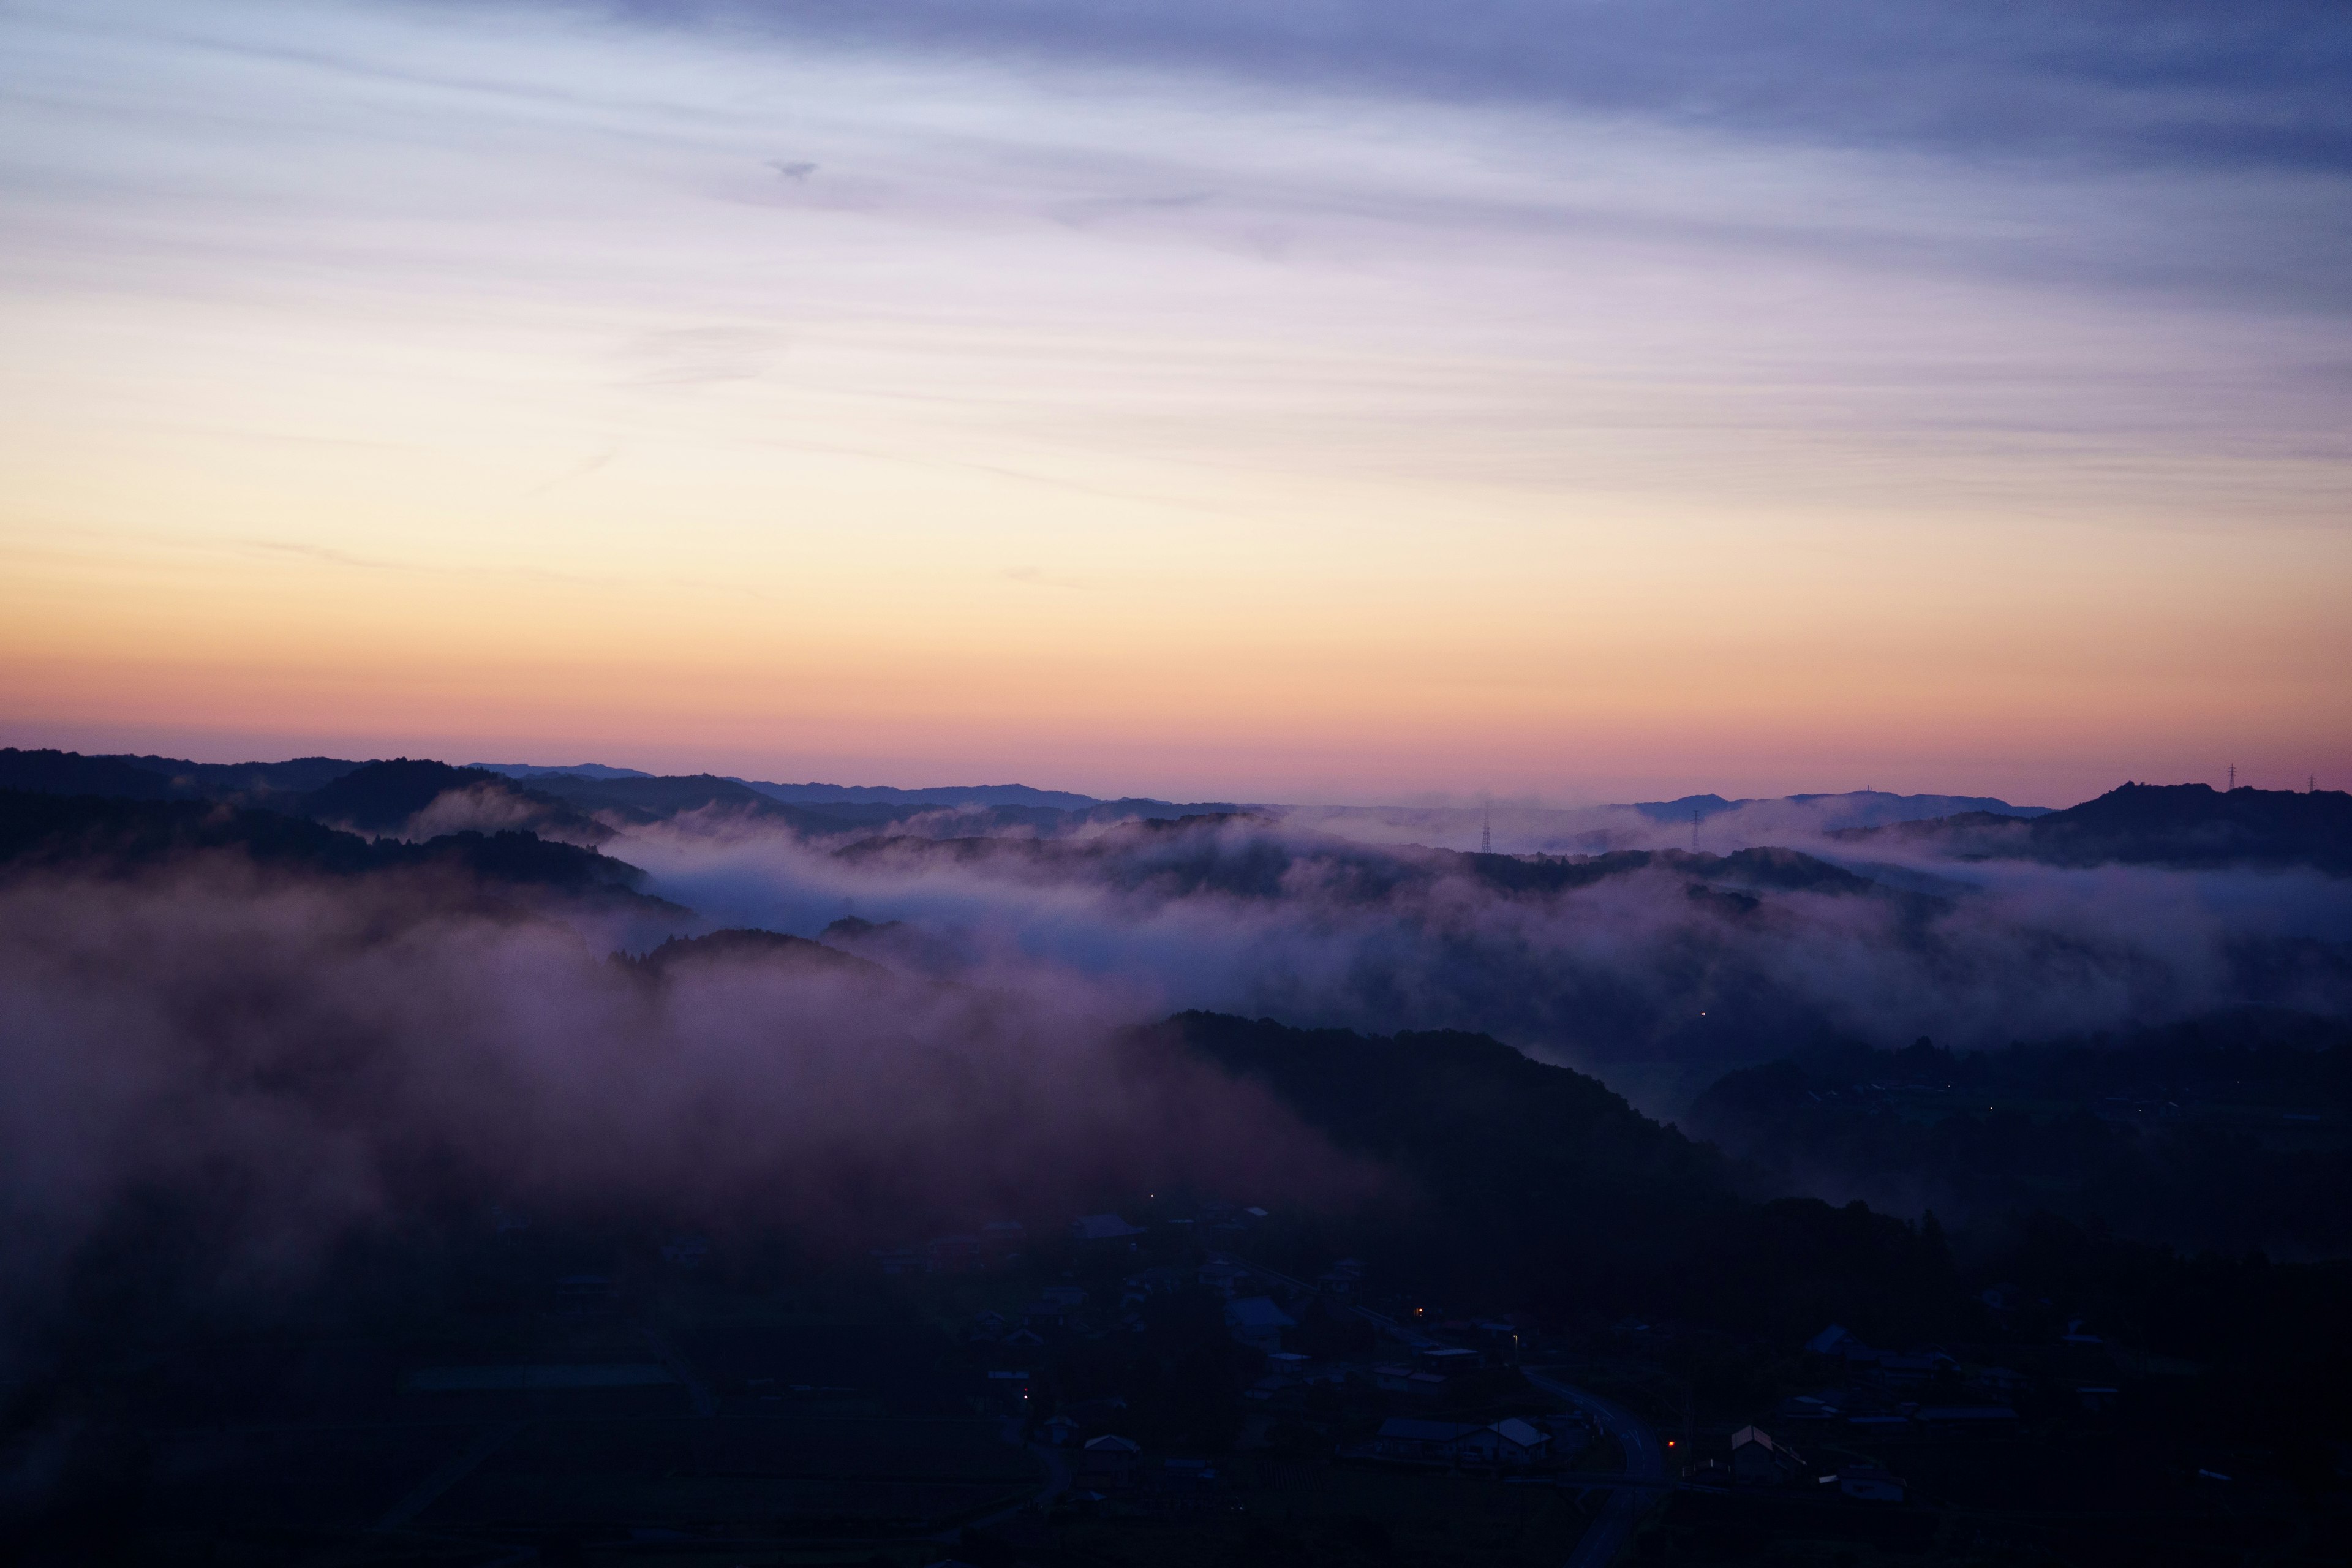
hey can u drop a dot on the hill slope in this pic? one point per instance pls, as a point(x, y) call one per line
point(2185, 826)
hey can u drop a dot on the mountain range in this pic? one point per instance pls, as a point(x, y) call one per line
point(558, 798)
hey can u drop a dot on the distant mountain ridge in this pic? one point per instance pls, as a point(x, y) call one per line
point(948, 795)
point(1868, 807)
point(574, 770)
point(587, 803)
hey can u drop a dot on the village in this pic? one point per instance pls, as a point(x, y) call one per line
point(1336, 1377)
point(1173, 1382)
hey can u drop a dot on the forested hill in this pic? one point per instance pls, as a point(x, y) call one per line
point(2215, 1133)
point(1535, 1184)
point(168, 778)
point(88, 834)
point(2167, 825)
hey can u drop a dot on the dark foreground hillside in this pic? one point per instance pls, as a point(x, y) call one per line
point(360, 1213)
point(2226, 1132)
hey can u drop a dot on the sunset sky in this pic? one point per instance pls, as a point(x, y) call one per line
point(1207, 399)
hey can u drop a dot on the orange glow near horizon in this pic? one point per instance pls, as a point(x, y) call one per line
point(925, 469)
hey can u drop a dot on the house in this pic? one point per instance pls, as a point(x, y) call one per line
point(1223, 1276)
point(1757, 1460)
point(2000, 1379)
point(1449, 1361)
point(1520, 1442)
point(1022, 1339)
point(987, 1328)
point(1480, 1446)
point(2097, 1396)
point(1102, 1227)
point(1390, 1378)
point(1822, 1406)
point(1107, 1463)
point(1257, 1323)
point(1060, 1431)
point(1044, 1314)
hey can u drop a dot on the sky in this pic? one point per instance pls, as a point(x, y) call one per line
point(1347, 402)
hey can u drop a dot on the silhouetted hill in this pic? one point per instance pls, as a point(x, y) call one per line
point(744, 945)
point(168, 778)
point(1536, 1184)
point(573, 769)
point(1850, 809)
point(949, 794)
point(1529, 1164)
point(2216, 1133)
point(2169, 825)
point(2196, 825)
point(90, 834)
point(119, 834)
point(651, 799)
point(383, 797)
point(70, 773)
point(1249, 855)
point(248, 783)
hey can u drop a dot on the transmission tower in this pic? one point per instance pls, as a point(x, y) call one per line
point(2234, 775)
point(1486, 834)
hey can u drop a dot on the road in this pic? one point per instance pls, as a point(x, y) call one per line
point(1645, 1472)
point(1646, 1475)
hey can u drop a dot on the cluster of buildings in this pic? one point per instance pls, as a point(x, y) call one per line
point(1755, 1459)
point(1512, 1443)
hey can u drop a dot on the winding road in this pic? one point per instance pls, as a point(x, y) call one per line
point(1645, 1471)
